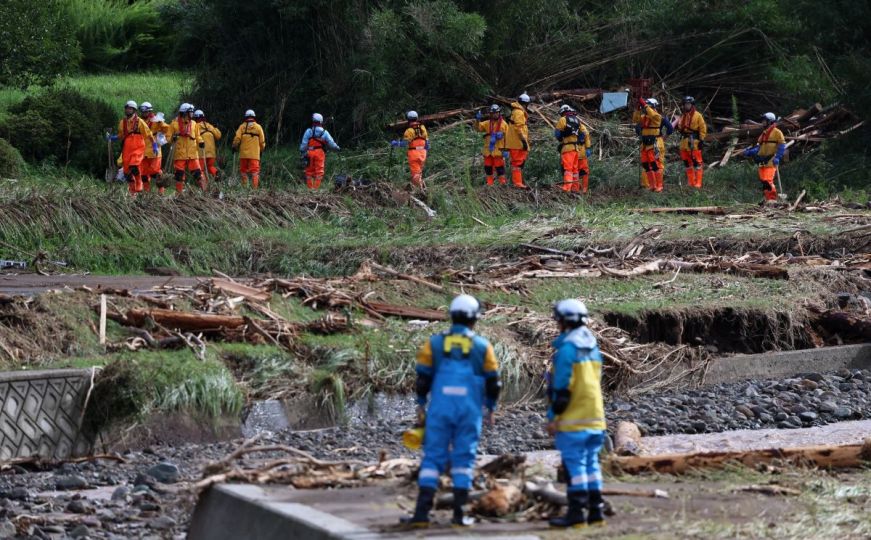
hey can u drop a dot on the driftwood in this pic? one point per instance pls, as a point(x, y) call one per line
point(846, 325)
point(710, 210)
point(769, 489)
point(824, 456)
point(627, 439)
point(504, 464)
point(499, 501)
point(180, 320)
point(232, 288)
point(754, 270)
point(406, 312)
point(548, 493)
point(407, 277)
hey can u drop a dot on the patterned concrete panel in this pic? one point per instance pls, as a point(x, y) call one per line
point(40, 413)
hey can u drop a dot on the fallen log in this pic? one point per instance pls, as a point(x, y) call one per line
point(710, 210)
point(406, 312)
point(504, 464)
point(232, 288)
point(182, 320)
point(499, 501)
point(765, 271)
point(846, 325)
point(627, 439)
point(824, 456)
point(548, 493)
point(407, 277)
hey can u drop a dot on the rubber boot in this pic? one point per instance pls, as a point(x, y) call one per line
point(596, 507)
point(574, 514)
point(255, 180)
point(243, 179)
point(489, 180)
point(179, 187)
point(700, 173)
point(420, 519)
point(461, 497)
point(502, 180)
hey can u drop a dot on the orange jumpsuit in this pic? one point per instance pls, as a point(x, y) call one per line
point(187, 155)
point(768, 143)
point(211, 135)
point(135, 135)
point(651, 122)
point(417, 138)
point(517, 142)
point(251, 141)
point(151, 164)
point(494, 144)
point(693, 131)
point(573, 157)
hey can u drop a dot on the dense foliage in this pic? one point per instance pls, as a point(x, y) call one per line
point(61, 126)
point(11, 162)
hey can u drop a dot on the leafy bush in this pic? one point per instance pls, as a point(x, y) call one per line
point(60, 126)
point(36, 43)
point(11, 162)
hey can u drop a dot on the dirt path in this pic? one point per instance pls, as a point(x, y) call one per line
point(31, 284)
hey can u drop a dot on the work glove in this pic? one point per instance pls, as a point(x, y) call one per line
point(426, 145)
point(394, 144)
point(110, 137)
point(589, 152)
point(479, 116)
point(155, 148)
point(642, 104)
point(499, 135)
point(775, 161)
point(506, 156)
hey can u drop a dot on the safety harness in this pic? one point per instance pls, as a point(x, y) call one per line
point(573, 127)
point(418, 136)
point(686, 122)
point(127, 130)
point(321, 145)
point(186, 130)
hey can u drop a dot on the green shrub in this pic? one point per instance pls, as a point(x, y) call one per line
point(60, 126)
point(11, 162)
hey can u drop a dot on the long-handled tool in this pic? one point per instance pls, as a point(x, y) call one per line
point(202, 153)
point(780, 193)
point(110, 167)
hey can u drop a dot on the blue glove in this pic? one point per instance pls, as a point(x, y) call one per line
point(499, 135)
point(752, 151)
point(506, 156)
point(775, 161)
point(558, 134)
point(426, 146)
point(638, 129)
point(492, 142)
point(479, 116)
point(110, 137)
point(589, 152)
point(155, 148)
point(394, 144)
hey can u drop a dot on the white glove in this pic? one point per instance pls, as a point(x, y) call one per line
point(159, 117)
point(161, 139)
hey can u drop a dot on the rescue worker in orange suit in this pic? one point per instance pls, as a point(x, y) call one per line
point(250, 141)
point(458, 372)
point(185, 133)
point(650, 124)
point(151, 163)
point(693, 131)
point(416, 139)
point(574, 150)
point(134, 135)
point(313, 148)
point(211, 135)
point(494, 129)
point(517, 138)
point(768, 154)
point(576, 416)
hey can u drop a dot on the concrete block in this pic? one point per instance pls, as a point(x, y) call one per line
point(788, 363)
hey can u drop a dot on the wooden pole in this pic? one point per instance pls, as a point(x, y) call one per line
point(102, 319)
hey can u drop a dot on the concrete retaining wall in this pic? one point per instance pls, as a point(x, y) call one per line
point(41, 413)
point(788, 363)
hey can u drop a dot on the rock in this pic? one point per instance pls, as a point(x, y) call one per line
point(70, 482)
point(745, 410)
point(751, 391)
point(700, 427)
point(16, 494)
point(815, 377)
point(78, 506)
point(161, 523)
point(81, 531)
point(120, 493)
point(807, 416)
point(843, 413)
point(827, 407)
point(164, 472)
point(766, 418)
point(7, 529)
point(808, 384)
point(781, 416)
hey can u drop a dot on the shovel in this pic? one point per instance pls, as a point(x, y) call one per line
point(780, 194)
point(110, 167)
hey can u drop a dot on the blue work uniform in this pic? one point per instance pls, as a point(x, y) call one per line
point(575, 391)
point(459, 363)
point(319, 134)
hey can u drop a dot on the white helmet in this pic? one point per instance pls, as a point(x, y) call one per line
point(250, 114)
point(465, 308)
point(318, 118)
point(565, 109)
point(185, 108)
point(653, 102)
point(570, 310)
point(145, 107)
point(523, 98)
point(199, 114)
point(770, 117)
point(495, 108)
point(130, 104)
point(411, 115)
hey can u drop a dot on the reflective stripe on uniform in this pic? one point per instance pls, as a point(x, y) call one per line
point(580, 479)
point(579, 421)
point(455, 391)
point(428, 473)
point(462, 470)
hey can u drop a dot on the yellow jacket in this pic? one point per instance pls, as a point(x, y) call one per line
point(693, 125)
point(576, 369)
point(517, 137)
point(250, 140)
point(416, 137)
point(157, 127)
point(651, 122)
point(768, 142)
point(211, 135)
point(187, 145)
point(570, 143)
point(133, 126)
point(489, 129)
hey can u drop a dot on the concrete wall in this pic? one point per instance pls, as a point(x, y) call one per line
point(41, 413)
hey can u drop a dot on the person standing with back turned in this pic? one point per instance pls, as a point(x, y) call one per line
point(250, 141)
point(313, 148)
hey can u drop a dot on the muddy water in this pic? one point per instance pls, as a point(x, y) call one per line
point(752, 439)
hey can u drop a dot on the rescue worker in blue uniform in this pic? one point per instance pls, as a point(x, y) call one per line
point(576, 416)
point(459, 371)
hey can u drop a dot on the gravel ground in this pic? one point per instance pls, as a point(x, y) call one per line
point(147, 496)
